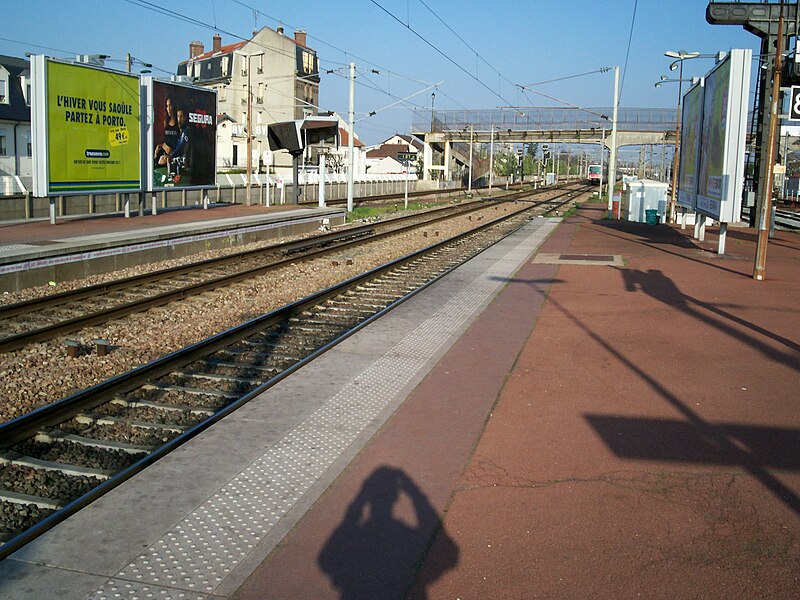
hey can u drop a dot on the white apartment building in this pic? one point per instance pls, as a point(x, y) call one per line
point(15, 125)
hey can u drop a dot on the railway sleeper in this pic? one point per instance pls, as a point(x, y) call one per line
point(277, 347)
point(320, 321)
point(180, 408)
point(232, 385)
point(295, 340)
point(337, 307)
point(343, 320)
point(215, 377)
point(93, 419)
point(377, 293)
point(191, 391)
point(362, 302)
point(221, 364)
point(15, 458)
point(244, 357)
point(48, 437)
point(38, 501)
point(321, 331)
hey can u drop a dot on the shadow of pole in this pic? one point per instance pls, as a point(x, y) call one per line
point(747, 460)
point(660, 287)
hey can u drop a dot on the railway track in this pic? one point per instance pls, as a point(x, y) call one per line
point(45, 318)
point(58, 459)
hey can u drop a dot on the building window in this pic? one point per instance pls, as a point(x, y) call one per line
point(224, 66)
point(308, 63)
point(260, 63)
point(3, 87)
point(3, 148)
point(29, 150)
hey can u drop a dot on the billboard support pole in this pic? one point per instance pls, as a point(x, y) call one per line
point(249, 132)
point(321, 180)
point(351, 133)
point(612, 160)
point(760, 266)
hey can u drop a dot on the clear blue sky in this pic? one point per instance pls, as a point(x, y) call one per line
point(512, 42)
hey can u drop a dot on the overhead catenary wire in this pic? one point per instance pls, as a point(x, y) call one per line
point(433, 46)
point(628, 52)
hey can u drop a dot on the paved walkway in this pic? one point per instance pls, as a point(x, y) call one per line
point(41, 230)
point(601, 432)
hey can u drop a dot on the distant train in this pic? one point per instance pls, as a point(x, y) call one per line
point(595, 174)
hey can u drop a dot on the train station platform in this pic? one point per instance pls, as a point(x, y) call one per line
point(589, 409)
point(35, 252)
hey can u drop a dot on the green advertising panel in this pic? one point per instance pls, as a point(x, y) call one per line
point(93, 124)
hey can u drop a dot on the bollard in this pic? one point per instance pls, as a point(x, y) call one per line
point(101, 346)
point(72, 347)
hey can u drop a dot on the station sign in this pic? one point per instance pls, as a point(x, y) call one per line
point(794, 104)
point(406, 157)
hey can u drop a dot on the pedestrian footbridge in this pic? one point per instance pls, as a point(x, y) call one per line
point(448, 134)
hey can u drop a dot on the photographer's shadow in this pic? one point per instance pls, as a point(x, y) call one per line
point(376, 550)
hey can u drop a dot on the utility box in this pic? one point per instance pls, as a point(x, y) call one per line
point(645, 194)
point(550, 179)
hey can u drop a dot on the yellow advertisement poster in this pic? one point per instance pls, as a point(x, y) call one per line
point(93, 129)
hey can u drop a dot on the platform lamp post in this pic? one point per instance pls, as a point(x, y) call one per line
point(680, 55)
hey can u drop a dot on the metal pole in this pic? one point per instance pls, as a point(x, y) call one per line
point(351, 119)
point(760, 266)
point(602, 161)
point(249, 133)
point(405, 196)
point(675, 159)
point(321, 180)
point(491, 159)
point(612, 160)
point(471, 131)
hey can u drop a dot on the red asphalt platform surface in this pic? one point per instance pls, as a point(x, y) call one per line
point(599, 432)
point(39, 230)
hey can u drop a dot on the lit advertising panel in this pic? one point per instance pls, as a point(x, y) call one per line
point(691, 122)
point(183, 135)
point(722, 141)
point(90, 125)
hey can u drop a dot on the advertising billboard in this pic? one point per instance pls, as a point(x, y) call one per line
point(86, 129)
point(722, 137)
point(182, 135)
point(691, 123)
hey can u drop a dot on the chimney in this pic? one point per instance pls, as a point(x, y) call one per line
point(217, 42)
point(280, 29)
point(196, 49)
point(300, 37)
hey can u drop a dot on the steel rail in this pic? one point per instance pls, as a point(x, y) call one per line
point(28, 425)
point(325, 244)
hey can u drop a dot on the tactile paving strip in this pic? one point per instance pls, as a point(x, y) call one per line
point(198, 553)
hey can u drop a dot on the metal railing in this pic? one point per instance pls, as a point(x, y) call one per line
point(545, 119)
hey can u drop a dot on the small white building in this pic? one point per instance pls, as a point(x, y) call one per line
point(392, 155)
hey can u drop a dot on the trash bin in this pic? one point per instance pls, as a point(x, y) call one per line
point(651, 216)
